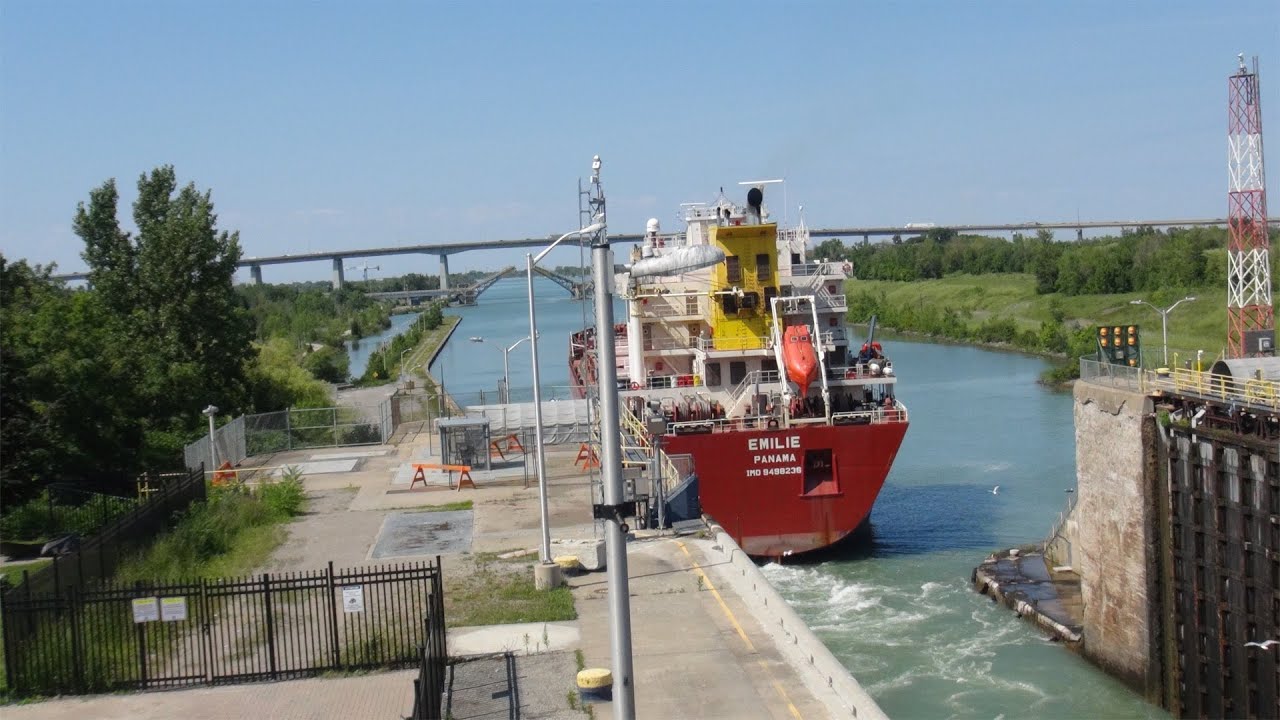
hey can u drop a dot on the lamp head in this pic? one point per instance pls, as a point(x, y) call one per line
point(210, 411)
point(1135, 302)
point(1190, 298)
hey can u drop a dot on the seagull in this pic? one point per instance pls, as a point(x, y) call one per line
point(995, 490)
point(1265, 644)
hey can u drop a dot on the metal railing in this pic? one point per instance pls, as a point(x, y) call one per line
point(429, 686)
point(1249, 392)
point(213, 631)
point(1055, 533)
point(98, 555)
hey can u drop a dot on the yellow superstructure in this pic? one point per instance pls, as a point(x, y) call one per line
point(751, 264)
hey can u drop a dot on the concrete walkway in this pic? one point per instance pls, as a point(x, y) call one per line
point(699, 649)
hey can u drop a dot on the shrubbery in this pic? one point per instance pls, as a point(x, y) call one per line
point(228, 522)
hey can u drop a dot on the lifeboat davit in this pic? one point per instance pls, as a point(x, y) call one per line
point(799, 356)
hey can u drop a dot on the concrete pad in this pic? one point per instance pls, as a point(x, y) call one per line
point(321, 467)
point(351, 454)
point(407, 534)
point(590, 552)
point(518, 638)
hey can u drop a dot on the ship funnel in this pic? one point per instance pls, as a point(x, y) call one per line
point(755, 203)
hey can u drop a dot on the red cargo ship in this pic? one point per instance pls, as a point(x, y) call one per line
point(745, 374)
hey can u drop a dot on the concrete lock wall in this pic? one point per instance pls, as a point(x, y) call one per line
point(824, 675)
point(1115, 466)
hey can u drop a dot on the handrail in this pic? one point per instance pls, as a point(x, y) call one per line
point(1254, 392)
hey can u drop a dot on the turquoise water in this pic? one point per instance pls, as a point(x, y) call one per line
point(502, 317)
point(898, 611)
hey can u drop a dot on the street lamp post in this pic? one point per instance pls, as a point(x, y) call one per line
point(1164, 321)
point(506, 366)
point(541, 462)
point(401, 363)
point(213, 449)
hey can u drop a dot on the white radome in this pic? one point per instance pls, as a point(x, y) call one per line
point(652, 226)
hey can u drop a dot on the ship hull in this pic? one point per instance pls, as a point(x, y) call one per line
point(779, 492)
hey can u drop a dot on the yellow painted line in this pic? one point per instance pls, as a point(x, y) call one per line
point(733, 620)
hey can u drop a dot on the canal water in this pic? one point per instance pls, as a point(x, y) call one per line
point(898, 610)
point(358, 351)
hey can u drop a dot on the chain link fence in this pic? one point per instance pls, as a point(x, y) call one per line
point(228, 440)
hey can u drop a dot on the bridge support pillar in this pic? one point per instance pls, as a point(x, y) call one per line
point(255, 274)
point(866, 238)
point(444, 271)
point(337, 273)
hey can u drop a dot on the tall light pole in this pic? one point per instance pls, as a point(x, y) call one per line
point(506, 367)
point(400, 364)
point(615, 506)
point(541, 462)
point(213, 449)
point(1164, 320)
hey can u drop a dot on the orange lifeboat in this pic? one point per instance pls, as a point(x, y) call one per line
point(799, 356)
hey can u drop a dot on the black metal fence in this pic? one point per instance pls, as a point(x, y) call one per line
point(433, 660)
point(98, 555)
point(268, 627)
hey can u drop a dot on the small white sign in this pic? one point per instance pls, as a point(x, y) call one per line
point(146, 610)
point(173, 609)
point(353, 598)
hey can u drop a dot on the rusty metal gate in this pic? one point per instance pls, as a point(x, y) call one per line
point(1218, 555)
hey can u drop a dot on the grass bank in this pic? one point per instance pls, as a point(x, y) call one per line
point(230, 534)
point(1004, 309)
point(497, 591)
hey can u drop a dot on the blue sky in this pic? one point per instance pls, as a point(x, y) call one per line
point(323, 126)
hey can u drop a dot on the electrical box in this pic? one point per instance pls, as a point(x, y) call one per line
point(1120, 344)
point(1260, 342)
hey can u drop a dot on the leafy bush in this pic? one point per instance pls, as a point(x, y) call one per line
point(286, 496)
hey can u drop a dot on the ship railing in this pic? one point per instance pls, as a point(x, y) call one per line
point(831, 301)
point(876, 416)
point(753, 378)
point(673, 471)
point(831, 337)
point(670, 343)
point(663, 309)
point(734, 343)
point(817, 269)
point(861, 371)
point(666, 382)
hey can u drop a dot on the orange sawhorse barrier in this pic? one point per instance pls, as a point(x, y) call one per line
point(587, 457)
point(464, 474)
point(505, 445)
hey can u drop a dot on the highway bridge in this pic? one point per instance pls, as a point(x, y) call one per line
point(443, 250)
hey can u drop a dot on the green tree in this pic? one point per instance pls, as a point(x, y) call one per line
point(169, 291)
point(67, 413)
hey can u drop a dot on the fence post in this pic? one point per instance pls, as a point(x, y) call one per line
point(288, 428)
point(77, 647)
point(7, 621)
point(271, 635)
point(141, 632)
point(333, 619)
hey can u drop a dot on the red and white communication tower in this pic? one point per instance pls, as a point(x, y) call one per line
point(1250, 316)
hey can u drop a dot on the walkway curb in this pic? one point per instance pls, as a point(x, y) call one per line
point(824, 675)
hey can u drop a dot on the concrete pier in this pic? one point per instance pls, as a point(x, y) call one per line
point(337, 273)
point(255, 274)
point(444, 271)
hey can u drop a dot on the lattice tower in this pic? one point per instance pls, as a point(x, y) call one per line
point(1249, 305)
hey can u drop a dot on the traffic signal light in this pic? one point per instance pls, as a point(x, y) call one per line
point(1120, 344)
